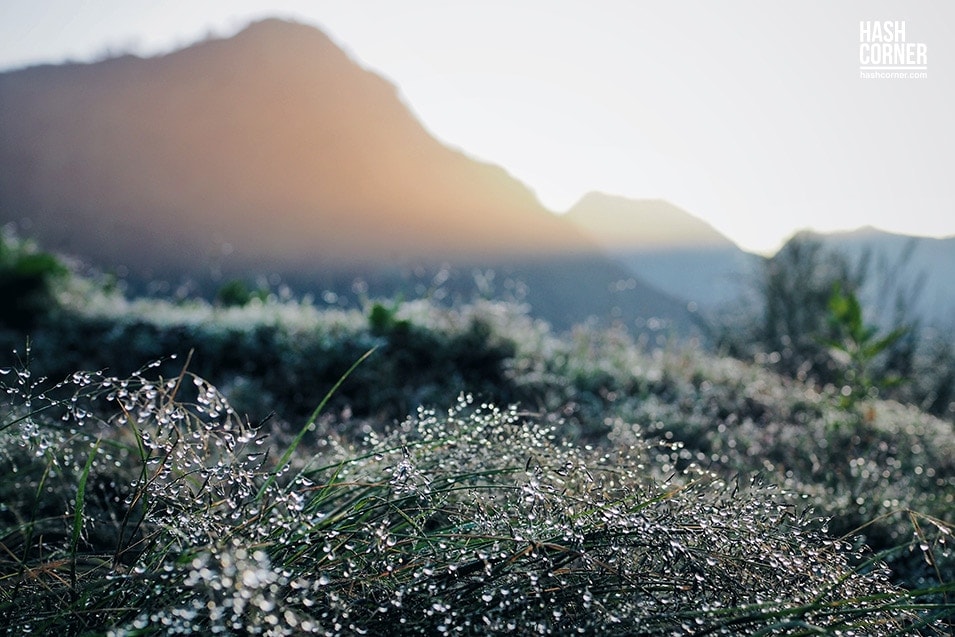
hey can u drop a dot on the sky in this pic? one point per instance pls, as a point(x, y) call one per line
point(752, 115)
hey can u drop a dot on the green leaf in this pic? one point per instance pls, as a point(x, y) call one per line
point(78, 512)
point(879, 346)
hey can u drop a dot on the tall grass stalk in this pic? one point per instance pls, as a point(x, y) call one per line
point(78, 513)
point(309, 423)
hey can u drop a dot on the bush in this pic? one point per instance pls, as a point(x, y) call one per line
point(28, 279)
point(236, 293)
point(282, 353)
point(855, 348)
point(812, 324)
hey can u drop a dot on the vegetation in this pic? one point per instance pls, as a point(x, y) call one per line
point(808, 320)
point(146, 505)
point(28, 280)
point(543, 483)
point(237, 292)
point(856, 348)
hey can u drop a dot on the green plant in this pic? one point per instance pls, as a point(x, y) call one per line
point(794, 292)
point(855, 347)
point(28, 278)
point(383, 319)
point(236, 293)
point(805, 319)
point(602, 388)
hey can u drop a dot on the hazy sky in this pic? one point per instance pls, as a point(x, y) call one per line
point(750, 114)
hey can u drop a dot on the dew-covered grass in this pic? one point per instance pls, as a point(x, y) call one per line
point(147, 505)
point(475, 474)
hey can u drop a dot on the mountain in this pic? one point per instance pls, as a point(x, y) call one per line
point(274, 152)
point(666, 246)
point(916, 272)
point(263, 142)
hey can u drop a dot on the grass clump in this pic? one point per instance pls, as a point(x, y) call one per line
point(145, 505)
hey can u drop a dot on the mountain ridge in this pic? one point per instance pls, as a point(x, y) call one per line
point(274, 151)
point(666, 246)
point(629, 223)
point(181, 170)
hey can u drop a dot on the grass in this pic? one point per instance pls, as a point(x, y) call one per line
point(583, 483)
point(472, 520)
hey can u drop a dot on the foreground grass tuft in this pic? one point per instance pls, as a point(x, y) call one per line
point(145, 505)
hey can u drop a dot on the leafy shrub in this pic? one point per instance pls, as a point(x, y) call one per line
point(384, 320)
point(28, 278)
point(236, 293)
point(794, 291)
point(856, 346)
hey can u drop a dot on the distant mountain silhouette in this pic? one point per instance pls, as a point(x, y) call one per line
point(274, 152)
point(666, 246)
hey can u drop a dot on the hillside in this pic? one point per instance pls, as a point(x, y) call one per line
point(274, 152)
point(666, 246)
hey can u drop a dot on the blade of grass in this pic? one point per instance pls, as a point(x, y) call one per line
point(283, 461)
point(78, 513)
point(141, 490)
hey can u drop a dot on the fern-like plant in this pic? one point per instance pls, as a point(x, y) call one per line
point(856, 347)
